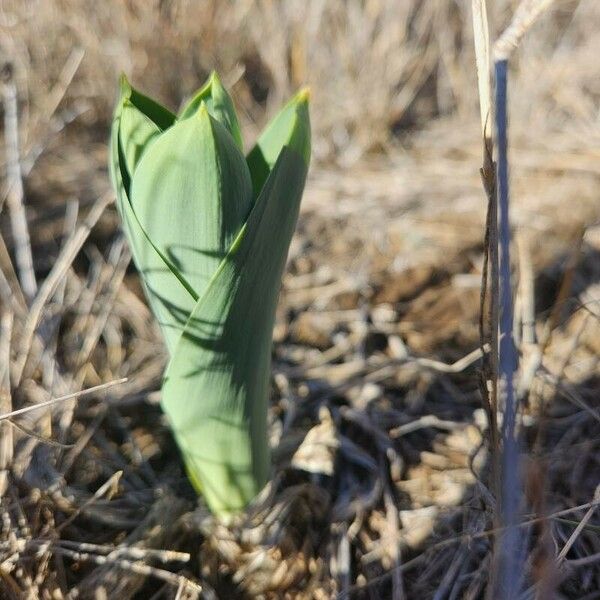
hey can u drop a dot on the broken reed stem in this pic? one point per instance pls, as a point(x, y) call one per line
point(481, 39)
point(18, 218)
point(488, 319)
point(525, 16)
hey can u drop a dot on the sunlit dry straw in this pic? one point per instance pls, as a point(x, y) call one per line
point(15, 200)
point(525, 16)
point(61, 266)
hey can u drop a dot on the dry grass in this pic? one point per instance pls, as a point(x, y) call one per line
point(381, 484)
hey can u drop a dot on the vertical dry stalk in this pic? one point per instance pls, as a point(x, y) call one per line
point(6, 433)
point(481, 40)
point(22, 244)
point(489, 384)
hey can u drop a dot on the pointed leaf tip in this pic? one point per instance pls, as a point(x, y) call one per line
point(303, 95)
point(202, 111)
point(162, 117)
point(219, 105)
point(290, 127)
point(124, 86)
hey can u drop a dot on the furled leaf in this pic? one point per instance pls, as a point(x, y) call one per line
point(216, 386)
point(211, 259)
point(132, 132)
point(219, 105)
point(191, 193)
point(136, 133)
point(265, 152)
point(157, 113)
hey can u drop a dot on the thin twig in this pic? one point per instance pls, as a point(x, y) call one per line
point(107, 488)
point(57, 93)
point(580, 527)
point(133, 552)
point(80, 394)
point(525, 16)
point(135, 567)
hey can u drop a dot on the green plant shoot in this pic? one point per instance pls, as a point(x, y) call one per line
point(209, 230)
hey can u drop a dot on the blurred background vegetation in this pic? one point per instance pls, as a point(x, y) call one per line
point(378, 69)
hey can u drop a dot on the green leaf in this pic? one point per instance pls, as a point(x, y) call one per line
point(219, 105)
point(157, 113)
point(136, 133)
point(216, 386)
point(132, 131)
point(137, 121)
point(191, 193)
point(264, 154)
